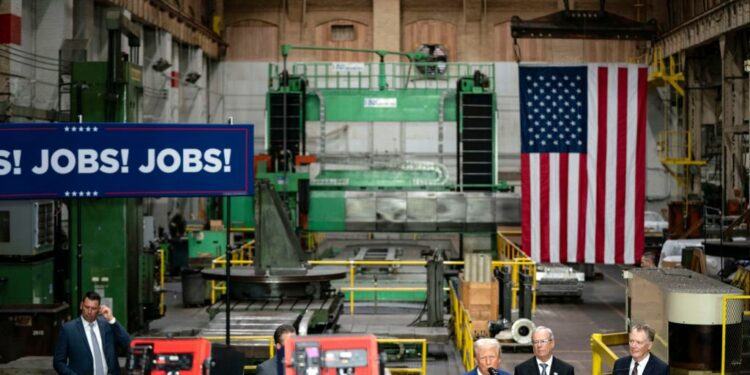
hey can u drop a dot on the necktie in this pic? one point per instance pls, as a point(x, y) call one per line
point(635, 369)
point(98, 367)
point(544, 368)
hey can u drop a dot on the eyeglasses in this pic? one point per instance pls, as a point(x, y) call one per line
point(541, 342)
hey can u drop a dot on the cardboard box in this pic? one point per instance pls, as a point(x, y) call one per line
point(480, 328)
point(216, 225)
point(481, 300)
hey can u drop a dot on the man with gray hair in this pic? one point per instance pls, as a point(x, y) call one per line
point(487, 357)
point(543, 362)
point(641, 361)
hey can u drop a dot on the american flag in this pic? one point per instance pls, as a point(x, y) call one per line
point(583, 162)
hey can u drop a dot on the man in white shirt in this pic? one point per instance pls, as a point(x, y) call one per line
point(86, 345)
point(641, 361)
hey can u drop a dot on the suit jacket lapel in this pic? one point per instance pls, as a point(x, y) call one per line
point(103, 332)
point(649, 366)
point(85, 339)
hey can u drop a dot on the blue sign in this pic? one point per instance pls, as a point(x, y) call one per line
point(66, 160)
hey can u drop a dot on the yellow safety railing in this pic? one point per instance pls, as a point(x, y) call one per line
point(676, 147)
point(519, 263)
point(601, 354)
point(462, 329)
point(239, 258)
point(162, 306)
point(352, 264)
point(235, 339)
point(422, 370)
point(661, 74)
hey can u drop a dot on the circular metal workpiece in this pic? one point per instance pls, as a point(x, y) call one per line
point(247, 275)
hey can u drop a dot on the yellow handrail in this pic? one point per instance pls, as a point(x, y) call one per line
point(162, 306)
point(519, 262)
point(423, 342)
point(600, 351)
point(462, 329)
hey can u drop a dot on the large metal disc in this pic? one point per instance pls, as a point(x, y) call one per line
point(247, 275)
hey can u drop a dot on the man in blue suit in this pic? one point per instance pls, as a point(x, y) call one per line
point(543, 362)
point(487, 357)
point(641, 361)
point(86, 345)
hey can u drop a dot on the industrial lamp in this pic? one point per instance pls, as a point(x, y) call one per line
point(161, 65)
point(192, 77)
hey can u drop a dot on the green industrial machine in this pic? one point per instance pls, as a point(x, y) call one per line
point(26, 256)
point(399, 195)
point(106, 235)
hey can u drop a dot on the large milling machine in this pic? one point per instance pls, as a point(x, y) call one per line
point(279, 288)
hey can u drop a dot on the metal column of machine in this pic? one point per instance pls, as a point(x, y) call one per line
point(113, 259)
point(278, 288)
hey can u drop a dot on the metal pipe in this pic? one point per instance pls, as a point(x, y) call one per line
point(228, 257)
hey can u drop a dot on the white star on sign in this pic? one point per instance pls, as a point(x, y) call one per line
point(67, 193)
point(88, 193)
point(66, 128)
point(96, 193)
point(80, 128)
point(75, 194)
point(88, 128)
point(96, 128)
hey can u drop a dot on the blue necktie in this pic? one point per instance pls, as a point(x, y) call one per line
point(98, 366)
point(544, 368)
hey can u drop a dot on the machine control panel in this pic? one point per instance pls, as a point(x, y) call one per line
point(332, 355)
point(345, 358)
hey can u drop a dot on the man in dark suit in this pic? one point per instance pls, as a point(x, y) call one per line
point(275, 365)
point(487, 357)
point(641, 361)
point(86, 345)
point(543, 362)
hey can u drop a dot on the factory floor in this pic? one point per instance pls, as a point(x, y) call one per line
point(601, 310)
